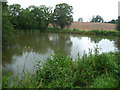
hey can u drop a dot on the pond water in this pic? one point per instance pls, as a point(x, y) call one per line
point(27, 48)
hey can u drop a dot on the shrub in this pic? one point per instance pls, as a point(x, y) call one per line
point(105, 81)
point(92, 70)
point(55, 72)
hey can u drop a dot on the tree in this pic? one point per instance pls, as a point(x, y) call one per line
point(7, 27)
point(113, 21)
point(25, 20)
point(97, 19)
point(35, 17)
point(80, 20)
point(118, 24)
point(15, 11)
point(62, 15)
point(44, 15)
point(41, 16)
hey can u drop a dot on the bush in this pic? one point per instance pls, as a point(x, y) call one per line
point(92, 70)
point(56, 72)
point(105, 81)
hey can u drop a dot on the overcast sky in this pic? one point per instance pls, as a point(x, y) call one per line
point(108, 9)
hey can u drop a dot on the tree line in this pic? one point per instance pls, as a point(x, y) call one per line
point(39, 17)
point(14, 17)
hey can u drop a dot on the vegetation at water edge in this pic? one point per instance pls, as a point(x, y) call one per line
point(91, 32)
point(90, 71)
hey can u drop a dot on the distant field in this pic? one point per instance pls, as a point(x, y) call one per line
point(91, 26)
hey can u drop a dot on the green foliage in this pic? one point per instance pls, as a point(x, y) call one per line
point(97, 19)
point(25, 20)
point(91, 32)
point(113, 21)
point(33, 17)
point(62, 15)
point(14, 11)
point(11, 81)
point(118, 24)
point(104, 32)
point(80, 20)
point(40, 16)
point(7, 27)
point(105, 81)
point(56, 71)
point(92, 70)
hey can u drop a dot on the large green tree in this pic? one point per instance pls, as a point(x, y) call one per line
point(80, 19)
point(7, 27)
point(41, 16)
point(15, 11)
point(97, 19)
point(62, 15)
point(25, 20)
point(35, 17)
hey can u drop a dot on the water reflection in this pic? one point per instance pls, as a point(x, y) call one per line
point(84, 44)
point(45, 44)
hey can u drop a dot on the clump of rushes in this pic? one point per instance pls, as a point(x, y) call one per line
point(90, 71)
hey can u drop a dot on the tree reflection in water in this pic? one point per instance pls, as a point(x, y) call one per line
point(44, 44)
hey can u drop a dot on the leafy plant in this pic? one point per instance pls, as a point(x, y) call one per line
point(105, 81)
point(92, 70)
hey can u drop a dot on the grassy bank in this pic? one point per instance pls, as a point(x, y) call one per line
point(74, 31)
point(90, 71)
point(89, 32)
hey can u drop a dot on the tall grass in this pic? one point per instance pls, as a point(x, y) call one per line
point(88, 32)
point(90, 71)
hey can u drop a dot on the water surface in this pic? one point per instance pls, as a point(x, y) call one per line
point(28, 48)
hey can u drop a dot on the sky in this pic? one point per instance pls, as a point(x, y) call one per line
point(108, 9)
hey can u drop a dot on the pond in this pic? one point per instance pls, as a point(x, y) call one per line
point(27, 48)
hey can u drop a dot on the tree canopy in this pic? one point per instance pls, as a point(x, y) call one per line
point(33, 17)
point(15, 11)
point(62, 15)
point(39, 17)
point(97, 18)
point(80, 19)
point(7, 27)
point(14, 17)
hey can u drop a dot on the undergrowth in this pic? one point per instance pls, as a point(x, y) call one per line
point(90, 71)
